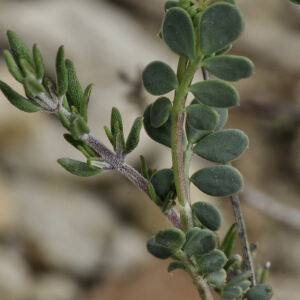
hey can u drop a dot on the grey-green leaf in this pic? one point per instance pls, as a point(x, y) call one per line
point(17, 100)
point(18, 48)
point(201, 242)
point(215, 93)
point(157, 250)
point(222, 146)
point(202, 117)
point(162, 182)
point(162, 134)
point(116, 118)
point(160, 112)
point(170, 4)
point(223, 116)
point(12, 66)
point(159, 78)
point(216, 279)
point(174, 265)
point(211, 262)
point(38, 62)
point(179, 33)
point(260, 292)
point(218, 181)
point(221, 24)
point(61, 73)
point(208, 215)
point(134, 135)
point(170, 238)
point(229, 67)
point(232, 292)
point(33, 86)
point(75, 92)
point(78, 168)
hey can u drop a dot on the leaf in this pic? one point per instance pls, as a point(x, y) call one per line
point(201, 117)
point(33, 86)
point(162, 134)
point(170, 3)
point(78, 168)
point(27, 68)
point(17, 100)
point(229, 67)
point(223, 116)
point(191, 232)
point(215, 93)
point(224, 50)
point(134, 135)
point(157, 250)
point(38, 62)
point(239, 278)
point(61, 73)
point(244, 285)
point(222, 146)
point(178, 32)
point(85, 101)
point(229, 240)
point(216, 279)
point(194, 135)
point(12, 66)
point(221, 24)
point(170, 238)
point(232, 292)
point(163, 181)
point(211, 262)
point(201, 242)
point(174, 265)
point(74, 93)
point(78, 127)
point(218, 181)
point(18, 48)
point(115, 118)
point(208, 215)
point(295, 1)
point(260, 292)
point(159, 78)
point(160, 112)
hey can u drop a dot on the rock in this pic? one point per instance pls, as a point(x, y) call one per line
point(15, 279)
point(55, 286)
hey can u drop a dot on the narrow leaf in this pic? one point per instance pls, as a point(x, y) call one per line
point(221, 24)
point(61, 73)
point(74, 93)
point(38, 62)
point(218, 181)
point(78, 168)
point(109, 135)
point(18, 48)
point(229, 67)
point(222, 146)
point(159, 78)
point(134, 135)
point(115, 118)
point(179, 33)
point(17, 100)
point(27, 68)
point(215, 93)
point(12, 66)
point(33, 86)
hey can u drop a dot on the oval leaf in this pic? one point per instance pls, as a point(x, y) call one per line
point(218, 181)
point(162, 182)
point(179, 33)
point(211, 262)
point(16, 99)
point(162, 134)
point(159, 78)
point(201, 242)
point(260, 292)
point(215, 93)
point(229, 67)
point(170, 238)
point(174, 265)
point(160, 112)
point(223, 116)
point(157, 250)
point(221, 24)
point(222, 146)
point(78, 168)
point(216, 279)
point(208, 215)
point(232, 292)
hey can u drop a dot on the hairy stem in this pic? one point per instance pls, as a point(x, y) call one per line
point(124, 168)
point(240, 222)
point(177, 144)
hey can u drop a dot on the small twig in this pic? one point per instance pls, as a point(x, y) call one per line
point(240, 221)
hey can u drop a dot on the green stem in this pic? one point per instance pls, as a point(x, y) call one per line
point(177, 143)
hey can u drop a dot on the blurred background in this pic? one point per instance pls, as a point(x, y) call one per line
point(67, 238)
